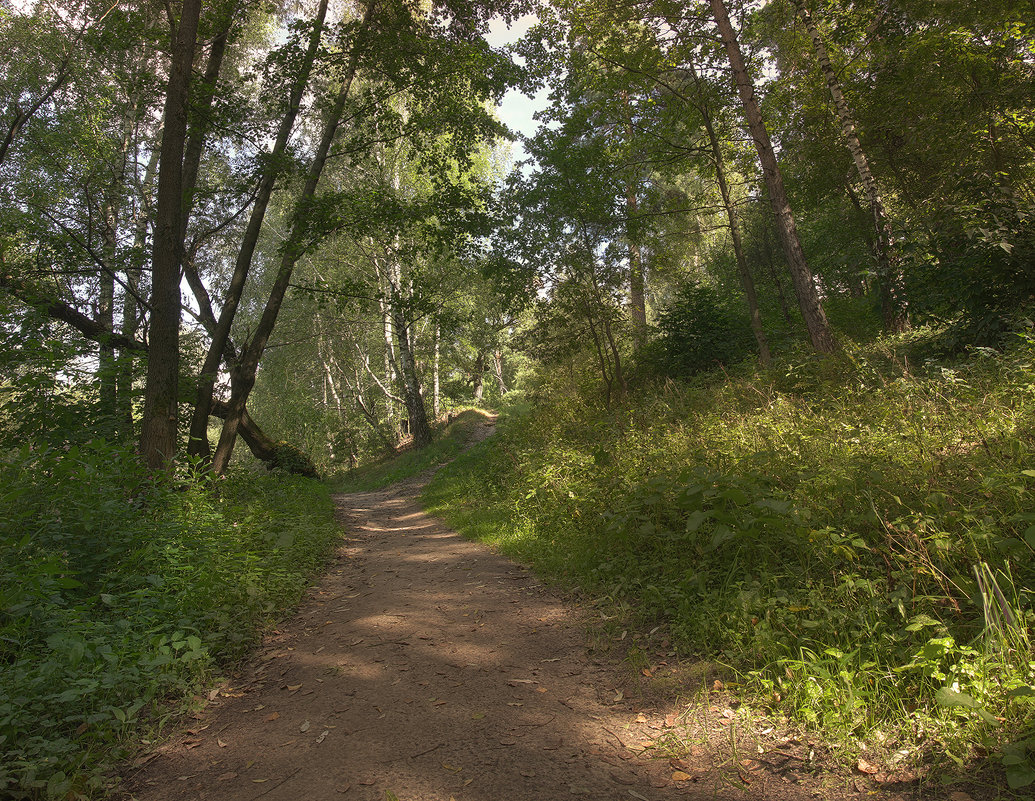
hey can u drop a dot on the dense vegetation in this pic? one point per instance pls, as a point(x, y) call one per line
point(121, 590)
point(762, 281)
point(852, 537)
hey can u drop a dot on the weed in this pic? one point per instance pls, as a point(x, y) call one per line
point(853, 537)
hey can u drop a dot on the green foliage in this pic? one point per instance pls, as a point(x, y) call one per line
point(854, 538)
point(119, 589)
point(699, 330)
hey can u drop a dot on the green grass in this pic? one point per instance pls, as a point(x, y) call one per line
point(852, 537)
point(450, 438)
point(120, 593)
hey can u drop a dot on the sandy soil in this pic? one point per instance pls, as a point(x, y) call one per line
point(424, 667)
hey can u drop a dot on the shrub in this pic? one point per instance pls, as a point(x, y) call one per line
point(699, 331)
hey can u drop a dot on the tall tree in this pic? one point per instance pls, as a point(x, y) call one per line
point(804, 282)
point(894, 308)
point(161, 392)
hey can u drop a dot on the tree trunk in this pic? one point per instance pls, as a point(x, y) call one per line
point(265, 448)
point(158, 434)
point(738, 246)
point(293, 250)
point(637, 285)
point(198, 440)
point(804, 284)
point(411, 382)
point(497, 368)
point(479, 376)
point(894, 307)
point(435, 402)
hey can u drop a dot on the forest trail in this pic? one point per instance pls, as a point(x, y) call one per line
point(424, 667)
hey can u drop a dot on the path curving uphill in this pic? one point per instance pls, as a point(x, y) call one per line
point(423, 667)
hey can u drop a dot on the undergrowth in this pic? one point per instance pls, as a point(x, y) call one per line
point(120, 591)
point(853, 537)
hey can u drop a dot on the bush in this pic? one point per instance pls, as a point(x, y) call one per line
point(699, 331)
point(118, 589)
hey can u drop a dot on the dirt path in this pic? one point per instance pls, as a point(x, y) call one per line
point(424, 667)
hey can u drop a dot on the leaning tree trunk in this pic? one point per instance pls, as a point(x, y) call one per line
point(821, 336)
point(244, 371)
point(198, 440)
point(158, 434)
point(738, 246)
point(894, 307)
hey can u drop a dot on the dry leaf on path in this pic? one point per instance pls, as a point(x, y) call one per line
point(866, 767)
point(681, 776)
point(271, 717)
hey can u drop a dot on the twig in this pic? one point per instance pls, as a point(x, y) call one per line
point(275, 786)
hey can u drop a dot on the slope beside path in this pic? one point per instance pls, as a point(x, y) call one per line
point(424, 667)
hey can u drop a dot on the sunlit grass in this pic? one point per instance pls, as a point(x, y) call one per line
point(450, 437)
point(822, 527)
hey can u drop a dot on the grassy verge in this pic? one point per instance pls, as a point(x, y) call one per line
point(120, 592)
point(854, 539)
point(450, 438)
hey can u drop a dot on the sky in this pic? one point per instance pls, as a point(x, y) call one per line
point(516, 110)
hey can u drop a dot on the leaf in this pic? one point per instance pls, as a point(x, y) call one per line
point(619, 695)
point(681, 776)
point(271, 717)
point(291, 688)
point(866, 767)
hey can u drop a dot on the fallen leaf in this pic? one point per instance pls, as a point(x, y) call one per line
point(477, 715)
point(728, 713)
point(305, 726)
point(225, 777)
point(220, 743)
point(671, 720)
point(540, 689)
point(514, 703)
point(718, 686)
point(647, 672)
point(343, 789)
point(619, 695)
point(212, 694)
point(452, 768)
point(271, 717)
point(259, 781)
point(641, 718)
point(291, 688)
point(681, 776)
point(866, 767)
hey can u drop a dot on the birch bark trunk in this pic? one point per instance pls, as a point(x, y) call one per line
point(821, 336)
point(894, 308)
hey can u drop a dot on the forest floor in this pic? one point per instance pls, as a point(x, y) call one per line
point(424, 667)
